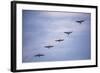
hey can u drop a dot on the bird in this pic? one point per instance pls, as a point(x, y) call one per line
point(49, 46)
point(59, 40)
point(80, 21)
point(68, 33)
point(39, 55)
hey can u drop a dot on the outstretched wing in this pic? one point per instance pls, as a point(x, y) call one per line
point(68, 32)
point(59, 40)
point(48, 46)
point(38, 55)
point(80, 21)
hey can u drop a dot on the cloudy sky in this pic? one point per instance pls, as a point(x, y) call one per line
point(42, 28)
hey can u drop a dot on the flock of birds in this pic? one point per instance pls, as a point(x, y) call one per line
point(59, 40)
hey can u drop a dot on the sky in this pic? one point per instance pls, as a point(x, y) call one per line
point(42, 28)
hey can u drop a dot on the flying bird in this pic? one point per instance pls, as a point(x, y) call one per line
point(39, 55)
point(68, 33)
point(59, 40)
point(48, 46)
point(80, 21)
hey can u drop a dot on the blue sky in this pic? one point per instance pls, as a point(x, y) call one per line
point(42, 28)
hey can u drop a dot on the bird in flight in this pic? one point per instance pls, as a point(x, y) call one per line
point(80, 21)
point(59, 40)
point(48, 46)
point(39, 55)
point(68, 33)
